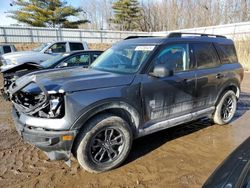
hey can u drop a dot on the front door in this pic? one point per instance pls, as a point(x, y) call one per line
point(172, 96)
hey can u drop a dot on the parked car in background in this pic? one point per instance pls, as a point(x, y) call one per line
point(41, 53)
point(137, 87)
point(7, 48)
point(71, 59)
point(234, 171)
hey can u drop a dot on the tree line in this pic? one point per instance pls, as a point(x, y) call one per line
point(138, 15)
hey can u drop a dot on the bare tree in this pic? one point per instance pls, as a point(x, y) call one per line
point(162, 15)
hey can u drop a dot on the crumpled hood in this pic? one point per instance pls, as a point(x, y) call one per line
point(72, 79)
point(15, 55)
point(18, 67)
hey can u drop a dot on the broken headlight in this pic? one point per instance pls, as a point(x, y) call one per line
point(54, 107)
point(32, 100)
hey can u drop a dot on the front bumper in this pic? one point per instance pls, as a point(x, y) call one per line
point(56, 144)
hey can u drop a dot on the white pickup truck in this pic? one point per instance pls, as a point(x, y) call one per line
point(41, 53)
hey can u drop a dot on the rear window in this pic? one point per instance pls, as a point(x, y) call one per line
point(76, 46)
point(206, 55)
point(6, 49)
point(227, 53)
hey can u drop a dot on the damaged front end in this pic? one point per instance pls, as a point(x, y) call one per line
point(37, 114)
point(8, 79)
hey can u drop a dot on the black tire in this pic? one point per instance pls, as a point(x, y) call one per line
point(104, 143)
point(226, 108)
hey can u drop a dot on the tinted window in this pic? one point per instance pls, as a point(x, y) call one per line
point(206, 55)
point(95, 55)
point(227, 53)
point(6, 49)
point(58, 48)
point(78, 60)
point(76, 46)
point(175, 57)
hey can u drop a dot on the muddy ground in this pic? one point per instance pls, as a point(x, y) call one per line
point(183, 156)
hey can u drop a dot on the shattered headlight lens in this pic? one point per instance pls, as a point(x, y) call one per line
point(54, 108)
point(32, 100)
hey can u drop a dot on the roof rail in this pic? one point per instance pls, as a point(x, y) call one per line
point(134, 37)
point(179, 34)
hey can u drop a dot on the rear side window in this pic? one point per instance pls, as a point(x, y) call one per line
point(95, 56)
point(75, 46)
point(6, 49)
point(227, 53)
point(206, 55)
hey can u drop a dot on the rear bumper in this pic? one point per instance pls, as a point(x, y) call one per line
point(56, 144)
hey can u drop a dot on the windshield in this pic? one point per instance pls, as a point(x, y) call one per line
point(39, 48)
point(123, 58)
point(50, 62)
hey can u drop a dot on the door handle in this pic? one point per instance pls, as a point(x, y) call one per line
point(219, 76)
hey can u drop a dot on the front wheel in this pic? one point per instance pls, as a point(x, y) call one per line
point(226, 108)
point(104, 144)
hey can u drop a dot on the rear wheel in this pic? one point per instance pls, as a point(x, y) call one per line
point(104, 144)
point(226, 108)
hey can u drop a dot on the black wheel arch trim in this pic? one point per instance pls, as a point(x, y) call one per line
point(226, 86)
point(134, 115)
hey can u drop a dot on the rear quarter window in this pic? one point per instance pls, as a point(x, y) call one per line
point(95, 55)
point(76, 46)
point(227, 53)
point(6, 49)
point(206, 55)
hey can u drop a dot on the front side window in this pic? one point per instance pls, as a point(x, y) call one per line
point(75, 46)
point(78, 60)
point(174, 57)
point(125, 58)
point(206, 55)
point(53, 60)
point(58, 47)
point(41, 47)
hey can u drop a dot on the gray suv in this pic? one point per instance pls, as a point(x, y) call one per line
point(137, 87)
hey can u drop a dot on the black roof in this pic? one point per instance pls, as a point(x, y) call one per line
point(173, 37)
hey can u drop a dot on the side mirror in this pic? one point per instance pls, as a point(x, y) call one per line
point(161, 71)
point(64, 64)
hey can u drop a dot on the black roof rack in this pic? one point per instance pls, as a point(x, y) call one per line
point(179, 34)
point(176, 35)
point(134, 37)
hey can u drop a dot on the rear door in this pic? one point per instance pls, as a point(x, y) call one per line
point(208, 74)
